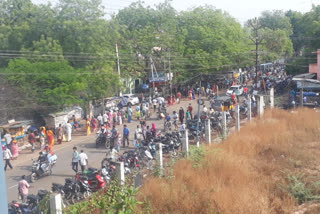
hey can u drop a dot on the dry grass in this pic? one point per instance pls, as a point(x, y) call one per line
point(244, 173)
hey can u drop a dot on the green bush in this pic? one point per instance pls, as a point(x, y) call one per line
point(115, 199)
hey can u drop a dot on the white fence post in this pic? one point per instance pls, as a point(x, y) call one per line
point(260, 105)
point(185, 143)
point(208, 131)
point(160, 158)
point(224, 125)
point(120, 172)
point(249, 109)
point(55, 204)
point(272, 98)
point(237, 117)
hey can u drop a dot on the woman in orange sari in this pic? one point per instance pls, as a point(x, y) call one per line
point(50, 137)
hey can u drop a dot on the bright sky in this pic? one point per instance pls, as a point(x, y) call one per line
point(242, 10)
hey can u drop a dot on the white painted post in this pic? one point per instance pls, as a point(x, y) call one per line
point(185, 143)
point(249, 109)
point(272, 98)
point(208, 131)
point(237, 117)
point(120, 172)
point(160, 158)
point(55, 204)
point(260, 105)
point(224, 125)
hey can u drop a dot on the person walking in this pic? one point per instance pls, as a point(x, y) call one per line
point(14, 149)
point(138, 134)
point(178, 97)
point(7, 156)
point(83, 160)
point(23, 188)
point(75, 159)
point(7, 137)
point(32, 140)
point(69, 131)
point(59, 134)
point(181, 115)
point(125, 138)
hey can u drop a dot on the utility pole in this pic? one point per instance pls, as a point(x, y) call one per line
point(151, 66)
point(170, 78)
point(254, 23)
point(118, 65)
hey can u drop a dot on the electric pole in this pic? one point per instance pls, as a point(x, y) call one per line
point(153, 80)
point(118, 65)
point(255, 25)
point(170, 76)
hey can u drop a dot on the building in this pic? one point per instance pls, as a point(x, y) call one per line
point(315, 68)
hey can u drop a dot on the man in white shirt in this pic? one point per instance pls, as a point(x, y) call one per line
point(69, 131)
point(83, 160)
point(100, 119)
point(205, 109)
point(7, 137)
point(105, 117)
point(154, 101)
point(138, 133)
point(7, 156)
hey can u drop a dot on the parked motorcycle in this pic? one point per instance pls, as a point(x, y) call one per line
point(92, 175)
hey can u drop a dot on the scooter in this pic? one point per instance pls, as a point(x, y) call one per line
point(40, 170)
point(95, 181)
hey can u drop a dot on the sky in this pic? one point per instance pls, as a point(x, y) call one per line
point(242, 10)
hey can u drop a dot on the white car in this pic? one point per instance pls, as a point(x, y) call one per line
point(237, 89)
point(132, 99)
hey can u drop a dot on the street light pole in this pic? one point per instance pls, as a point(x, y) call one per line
point(118, 66)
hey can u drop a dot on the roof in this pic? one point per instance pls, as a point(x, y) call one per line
point(305, 76)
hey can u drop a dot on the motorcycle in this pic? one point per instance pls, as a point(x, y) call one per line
point(18, 208)
point(40, 170)
point(95, 181)
point(33, 200)
point(103, 139)
point(167, 126)
point(70, 191)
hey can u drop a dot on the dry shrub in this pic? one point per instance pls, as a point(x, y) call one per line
point(244, 173)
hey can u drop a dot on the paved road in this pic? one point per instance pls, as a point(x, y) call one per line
point(62, 170)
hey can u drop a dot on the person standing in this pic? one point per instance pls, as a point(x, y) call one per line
point(59, 134)
point(32, 140)
point(83, 160)
point(129, 110)
point(190, 110)
point(88, 127)
point(181, 115)
point(50, 138)
point(7, 137)
point(42, 138)
point(105, 117)
point(114, 137)
point(23, 188)
point(14, 149)
point(126, 132)
point(7, 156)
point(100, 119)
point(154, 101)
point(69, 131)
point(138, 134)
point(75, 159)
point(178, 97)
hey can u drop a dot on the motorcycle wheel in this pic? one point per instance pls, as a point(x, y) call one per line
point(86, 194)
point(107, 144)
point(73, 199)
point(32, 177)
